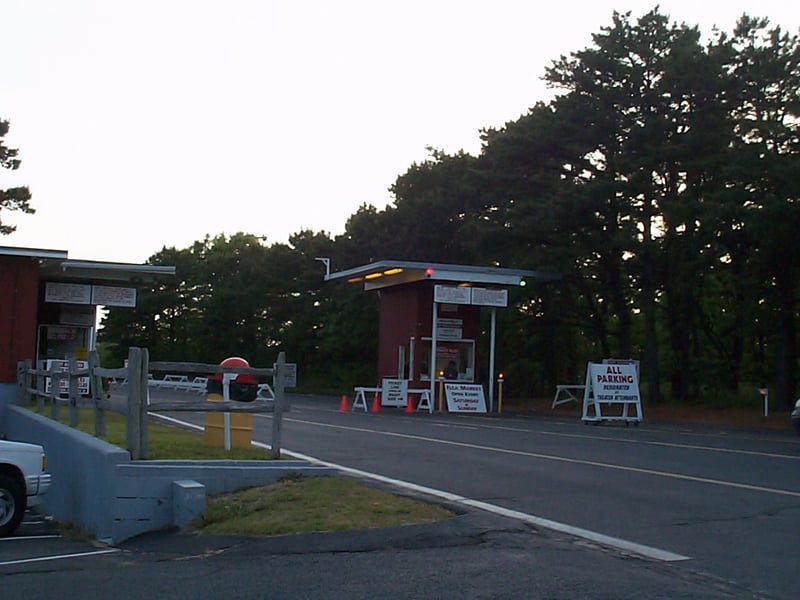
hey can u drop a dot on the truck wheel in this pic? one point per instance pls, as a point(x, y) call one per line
point(12, 504)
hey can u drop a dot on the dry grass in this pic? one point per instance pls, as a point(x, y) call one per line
point(312, 504)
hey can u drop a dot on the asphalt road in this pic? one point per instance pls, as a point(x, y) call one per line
point(551, 508)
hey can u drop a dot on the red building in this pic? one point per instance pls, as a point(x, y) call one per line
point(434, 310)
point(49, 306)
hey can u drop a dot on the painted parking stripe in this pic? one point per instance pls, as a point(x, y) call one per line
point(36, 559)
point(49, 536)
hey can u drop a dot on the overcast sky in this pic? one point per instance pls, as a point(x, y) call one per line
point(151, 123)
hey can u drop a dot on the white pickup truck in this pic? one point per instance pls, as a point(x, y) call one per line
point(23, 480)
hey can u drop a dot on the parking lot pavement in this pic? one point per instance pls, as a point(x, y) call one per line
point(39, 541)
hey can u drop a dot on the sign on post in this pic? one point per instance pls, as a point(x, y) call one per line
point(63, 384)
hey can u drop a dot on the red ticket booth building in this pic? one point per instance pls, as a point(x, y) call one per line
point(50, 306)
point(430, 318)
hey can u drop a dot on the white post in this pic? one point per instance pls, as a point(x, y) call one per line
point(226, 417)
point(432, 366)
point(411, 374)
point(491, 359)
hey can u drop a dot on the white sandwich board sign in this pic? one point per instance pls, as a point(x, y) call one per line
point(610, 384)
point(394, 392)
point(465, 398)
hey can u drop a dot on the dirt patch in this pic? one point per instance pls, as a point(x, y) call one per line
point(670, 413)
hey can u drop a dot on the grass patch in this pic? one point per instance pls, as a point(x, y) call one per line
point(294, 505)
point(164, 442)
point(312, 504)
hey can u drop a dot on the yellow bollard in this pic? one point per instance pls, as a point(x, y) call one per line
point(499, 393)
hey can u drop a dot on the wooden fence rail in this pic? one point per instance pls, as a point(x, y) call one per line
point(45, 386)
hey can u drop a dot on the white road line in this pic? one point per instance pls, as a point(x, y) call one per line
point(564, 459)
point(31, 537)
point(593, 536)
point(176, 421)
point(580, 436)
point(23, 561)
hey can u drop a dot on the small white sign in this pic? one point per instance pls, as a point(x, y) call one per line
point(63, 384)
point(445, 333)
point(447, 322)
point(67, 293)
point(114, 296)
point(490, 297)
point(451, 294)
point(74, 317)
point(394, 392)
point(465, 398)
point(290, 375)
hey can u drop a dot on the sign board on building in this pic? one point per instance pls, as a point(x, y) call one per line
point(449, 329)
point(465, 397)
point(77, 293)
point(77, 317)
point(394, 392)
point(490, 297)
point(451, 294)
point(67, 293)
point(107, 295)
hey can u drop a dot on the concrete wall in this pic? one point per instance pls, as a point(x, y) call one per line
point(98, 487)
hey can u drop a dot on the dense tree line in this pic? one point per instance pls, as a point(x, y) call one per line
point(661, 182)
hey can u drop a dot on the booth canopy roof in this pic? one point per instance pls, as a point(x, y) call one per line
point(387, 273)
point(55, 266)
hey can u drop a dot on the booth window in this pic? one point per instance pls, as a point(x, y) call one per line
point(455, 360)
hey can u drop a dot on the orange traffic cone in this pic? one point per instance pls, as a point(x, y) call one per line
point(343, 405)
point(409, 405)
point(376, 405)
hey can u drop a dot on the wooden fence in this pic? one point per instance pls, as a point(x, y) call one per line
point(45, 386)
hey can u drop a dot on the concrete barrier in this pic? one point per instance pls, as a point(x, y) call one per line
point(98, 487)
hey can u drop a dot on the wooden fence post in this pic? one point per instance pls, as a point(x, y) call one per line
point(278, 384)
point(73, 394)
point(132, 422)
point(55, 393)
point(144, 401)
point(40, 388)
point(23, 381)
point(96, 386)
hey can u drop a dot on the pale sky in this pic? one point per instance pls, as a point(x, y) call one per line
point(151, 123)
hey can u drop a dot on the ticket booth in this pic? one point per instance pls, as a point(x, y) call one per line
point(51, 312)
point(430, 318)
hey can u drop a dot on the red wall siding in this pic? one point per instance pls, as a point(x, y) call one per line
point(399, 318)
point(406, 311)
point(19, 286)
